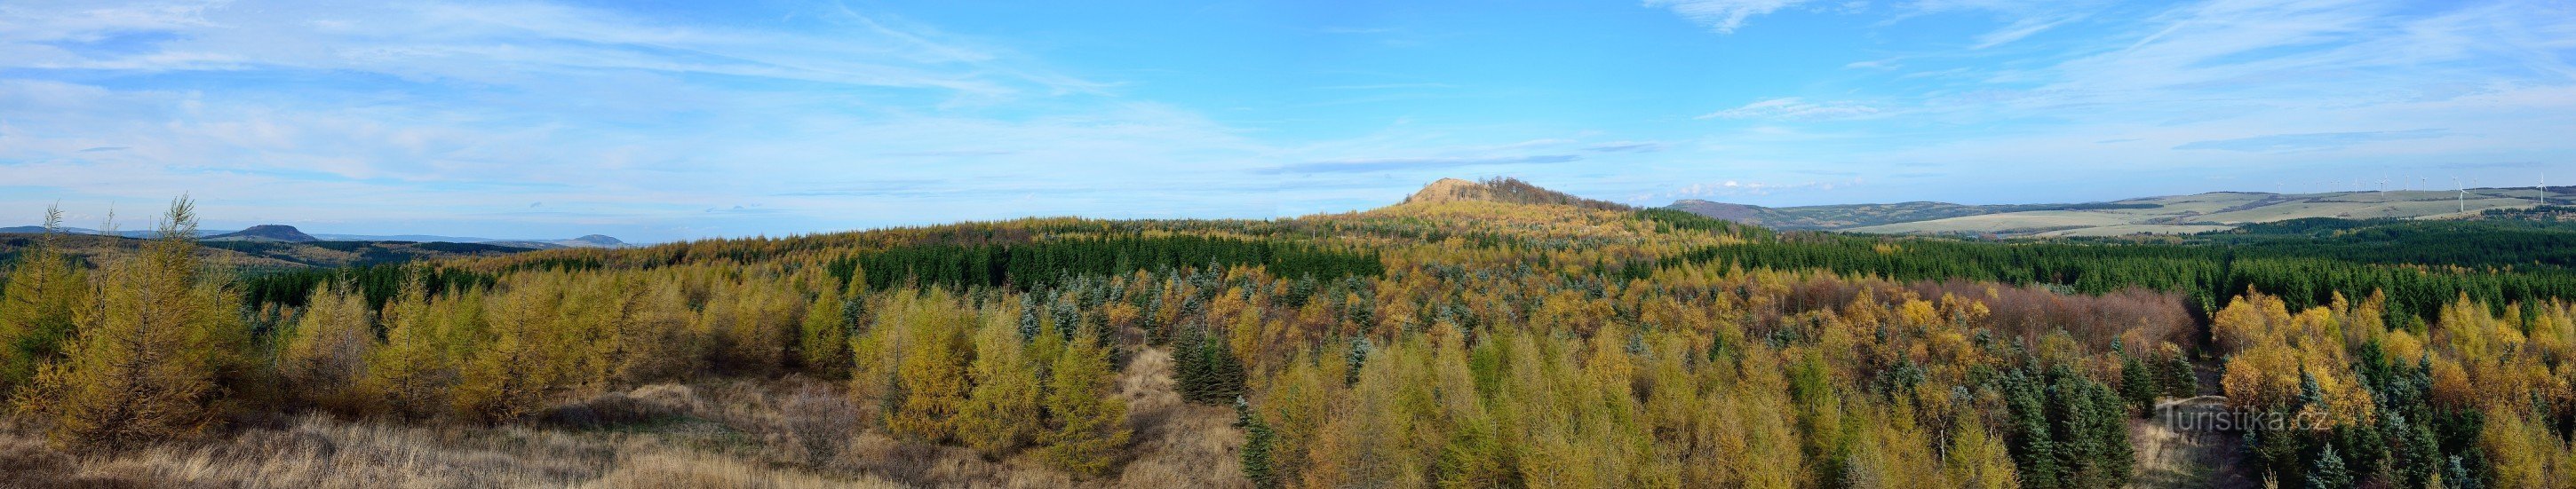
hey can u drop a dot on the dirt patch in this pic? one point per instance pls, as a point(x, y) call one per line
point(2168, 457)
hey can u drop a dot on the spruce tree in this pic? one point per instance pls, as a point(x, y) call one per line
point(2329, 472)
point(2137, 387)
point(2179, 380)
point(1257, 445)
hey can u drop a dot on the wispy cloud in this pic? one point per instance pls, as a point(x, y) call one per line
point(1369, 165)
point(1794, 108)
point(2308, 142)
point(1626, 147)
point(1723, 16)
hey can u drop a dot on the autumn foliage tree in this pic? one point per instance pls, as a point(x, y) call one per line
point(149, 351)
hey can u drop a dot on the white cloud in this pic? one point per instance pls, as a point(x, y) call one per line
point(1794, 108)
point(1723, 16)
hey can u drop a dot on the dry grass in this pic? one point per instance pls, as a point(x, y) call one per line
point(784, 433)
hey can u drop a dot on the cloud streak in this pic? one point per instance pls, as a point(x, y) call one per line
point(1372, 165)
point(1794, 108)
point(1723, 16)
point(2310, 142)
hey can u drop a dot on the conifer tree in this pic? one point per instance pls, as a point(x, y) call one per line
point(823, 342)
point(2137, 387)
point(1002, 411)
point(39, 307)
point(146, 356)
point(1087, 424)
point(325, 353)
point(518, 363)
point(2329, 472)
point(2179, 380)
point(932, 374)
point(410, 373)
point(1257, 445)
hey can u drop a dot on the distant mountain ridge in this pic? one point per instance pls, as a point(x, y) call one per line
point(2173, 214)
point(268, 232)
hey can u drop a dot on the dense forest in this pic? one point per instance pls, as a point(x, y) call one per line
point(1456, 342)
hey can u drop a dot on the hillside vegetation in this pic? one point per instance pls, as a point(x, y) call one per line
point(1478, 335)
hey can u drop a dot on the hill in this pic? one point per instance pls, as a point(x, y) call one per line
point(264, 253)
point(2179, 214)
point(1504, 190)
point(266, 232)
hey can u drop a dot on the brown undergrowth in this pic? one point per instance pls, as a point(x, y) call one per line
point(793, 432)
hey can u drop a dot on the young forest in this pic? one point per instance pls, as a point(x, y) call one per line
point(1490, 335)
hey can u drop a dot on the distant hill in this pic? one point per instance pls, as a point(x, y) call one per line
point(258, 233)
point(2148, 215)
point(266, 232)
point(263, 253)
point(1506, 190)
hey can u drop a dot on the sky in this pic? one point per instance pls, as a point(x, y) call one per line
point(657, 121)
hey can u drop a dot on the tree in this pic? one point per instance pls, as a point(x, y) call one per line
point(1002, 411)
point(1206, 371)
point(823, 342)
point(39, 307)
point(145, 358)
point(932, 375)
point(2329, 472)
point(1086, 425)
point(519, 362)
point(326, 352)
point(411, 372)
point(2179, 380)
point(2137, 387)
point(1977, 460)
point(1258, 441)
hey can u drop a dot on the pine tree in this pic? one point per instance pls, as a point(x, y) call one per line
point(1002, 411)
point(38, 308)
point(145, 359)
point(1086, 425)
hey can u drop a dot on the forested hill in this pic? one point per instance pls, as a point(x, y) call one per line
point(1502, 337)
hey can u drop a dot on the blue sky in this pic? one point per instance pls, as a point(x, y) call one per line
point(656, 121)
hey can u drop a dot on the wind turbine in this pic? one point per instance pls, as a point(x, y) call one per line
point(2464, 194)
